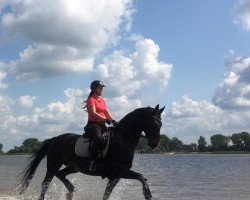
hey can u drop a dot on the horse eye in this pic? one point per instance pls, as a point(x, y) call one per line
point(159, 123)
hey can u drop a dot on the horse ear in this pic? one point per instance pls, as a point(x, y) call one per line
point(156, 108)
point(161, 110)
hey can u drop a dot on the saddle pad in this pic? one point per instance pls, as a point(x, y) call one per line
point(82, 147)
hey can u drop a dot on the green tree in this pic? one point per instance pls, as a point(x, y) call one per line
point(143, 147)
point(16, 150)
point(219, 142)
point(164, 144)
point(1, 148)
point(31, 145)
point(202, 144)
point(237, 141)
point(175, 144)
point(246, 140)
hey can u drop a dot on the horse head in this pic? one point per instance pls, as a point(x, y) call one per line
point(152, 126)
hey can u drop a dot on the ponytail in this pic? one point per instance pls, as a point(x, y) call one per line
point(85, 101)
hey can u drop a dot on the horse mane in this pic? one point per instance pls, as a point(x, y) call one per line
point(136, 114)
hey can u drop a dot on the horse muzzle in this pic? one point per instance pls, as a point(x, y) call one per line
point(153, 143)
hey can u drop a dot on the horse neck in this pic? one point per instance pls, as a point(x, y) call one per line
point(130, 128)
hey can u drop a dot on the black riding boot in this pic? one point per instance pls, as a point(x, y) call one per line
point(93, 153)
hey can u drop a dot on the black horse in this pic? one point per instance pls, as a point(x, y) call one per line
point(117, 163)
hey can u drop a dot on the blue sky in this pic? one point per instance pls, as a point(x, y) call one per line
point(191, 56)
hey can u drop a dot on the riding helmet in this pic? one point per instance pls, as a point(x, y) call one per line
point(96, 84)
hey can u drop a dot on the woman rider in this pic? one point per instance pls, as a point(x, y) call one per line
point(98, 115)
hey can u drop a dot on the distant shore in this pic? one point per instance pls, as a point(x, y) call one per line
point(210, 152)
point(168, 153)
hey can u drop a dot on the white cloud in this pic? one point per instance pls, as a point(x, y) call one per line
point(200, 112)
point(122, 105)
point(61, 113)
point(27, 101)
point(119, 74)
point(23, 121)
point(146, 59)
point(55, 118)
point(5, 105)
point(234, 91)
point(43, 61)
point(2, 77)
point(66, 36)
point(242, 12)
point(45, 122)
point(89, 24)
point(127, 74)
point(7, 121)
point(188, 119)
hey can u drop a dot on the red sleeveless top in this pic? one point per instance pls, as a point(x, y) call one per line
point(100, 106)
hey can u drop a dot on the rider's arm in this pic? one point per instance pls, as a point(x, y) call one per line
point(92, 111)
point(108, 115)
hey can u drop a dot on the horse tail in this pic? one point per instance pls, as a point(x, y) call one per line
point(28, 173)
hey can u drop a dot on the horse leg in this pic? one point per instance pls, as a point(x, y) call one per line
point(110, 186)
point(62, 176)
point(146, 190)
point(145, 186)
point(51, 170)
point(129, 174)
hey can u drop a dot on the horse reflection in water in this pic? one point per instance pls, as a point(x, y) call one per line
point(123, 140)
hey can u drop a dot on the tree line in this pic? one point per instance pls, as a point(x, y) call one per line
point(32, 145)
point(236, 142)
point(218, 142)
point(29, 146)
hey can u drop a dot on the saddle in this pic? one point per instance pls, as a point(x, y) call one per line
point(82, 146)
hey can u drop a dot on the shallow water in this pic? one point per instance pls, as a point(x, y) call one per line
point(171, 177)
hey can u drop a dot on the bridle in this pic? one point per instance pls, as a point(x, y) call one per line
point(157, 119)
point(143, 136)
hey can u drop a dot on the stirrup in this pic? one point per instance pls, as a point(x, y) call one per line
point(92, 166)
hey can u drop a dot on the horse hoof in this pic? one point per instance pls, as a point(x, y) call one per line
point(69, 196)
point(147, 193)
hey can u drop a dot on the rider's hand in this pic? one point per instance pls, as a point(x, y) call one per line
point(108, 121)
point(114, 123)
